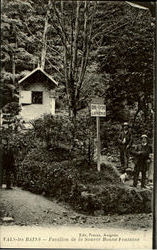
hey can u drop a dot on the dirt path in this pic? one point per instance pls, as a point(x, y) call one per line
point(39, 222)
point(27, 208)
point(30, 209)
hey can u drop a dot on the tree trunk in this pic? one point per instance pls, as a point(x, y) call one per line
point(44, 40)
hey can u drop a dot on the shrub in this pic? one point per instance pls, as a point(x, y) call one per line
point(50, 180)
point(79, 184)
point(53, 130)
point(60, 132)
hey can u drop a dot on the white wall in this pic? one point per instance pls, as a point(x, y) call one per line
point(34, 111)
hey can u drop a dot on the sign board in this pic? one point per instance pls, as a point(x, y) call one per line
point(98, 110)
point(97, 100)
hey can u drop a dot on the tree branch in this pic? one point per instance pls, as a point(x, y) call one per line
point(87, 44)
point(60, 19)
point(65, 54)
point(75, 48)
point(84, 45)
point(71, 45)
point(53, 66)
point(44, 39)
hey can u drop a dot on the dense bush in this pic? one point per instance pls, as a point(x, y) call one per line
point(80, 185)
point(53, 130)
point(40, 173)
point(64, 168)
point(21, 142)
point(60, 132)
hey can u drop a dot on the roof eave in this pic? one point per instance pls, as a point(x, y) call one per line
point(32, 72)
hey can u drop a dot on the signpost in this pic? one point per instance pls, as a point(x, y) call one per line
point(98, 109)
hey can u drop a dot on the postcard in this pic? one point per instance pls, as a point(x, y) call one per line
point(77, 124)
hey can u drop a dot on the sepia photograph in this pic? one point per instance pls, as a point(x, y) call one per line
point(77, 124)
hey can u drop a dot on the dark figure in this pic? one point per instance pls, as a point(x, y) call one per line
point(7, 164)
point(141, 154)
point(124, 142)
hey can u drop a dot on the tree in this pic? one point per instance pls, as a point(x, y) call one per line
point(91, 48)
point(24, 30)
point(15, 56)
point(74, 31)
point(126, 54)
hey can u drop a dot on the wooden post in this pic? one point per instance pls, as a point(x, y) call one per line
point(98, 142)
point(98, 109)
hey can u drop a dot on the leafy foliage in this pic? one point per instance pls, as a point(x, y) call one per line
point(59, 132)
point(81, 186)
point(53, 130)
point(126, 54)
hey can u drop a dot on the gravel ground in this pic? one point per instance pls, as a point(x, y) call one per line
point(30, 209)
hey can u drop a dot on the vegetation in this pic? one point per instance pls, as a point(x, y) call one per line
point(84, 188)
point(55, 170)
point(110, 57)
point(93, 49)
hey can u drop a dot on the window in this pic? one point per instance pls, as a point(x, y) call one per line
point(37, 97)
